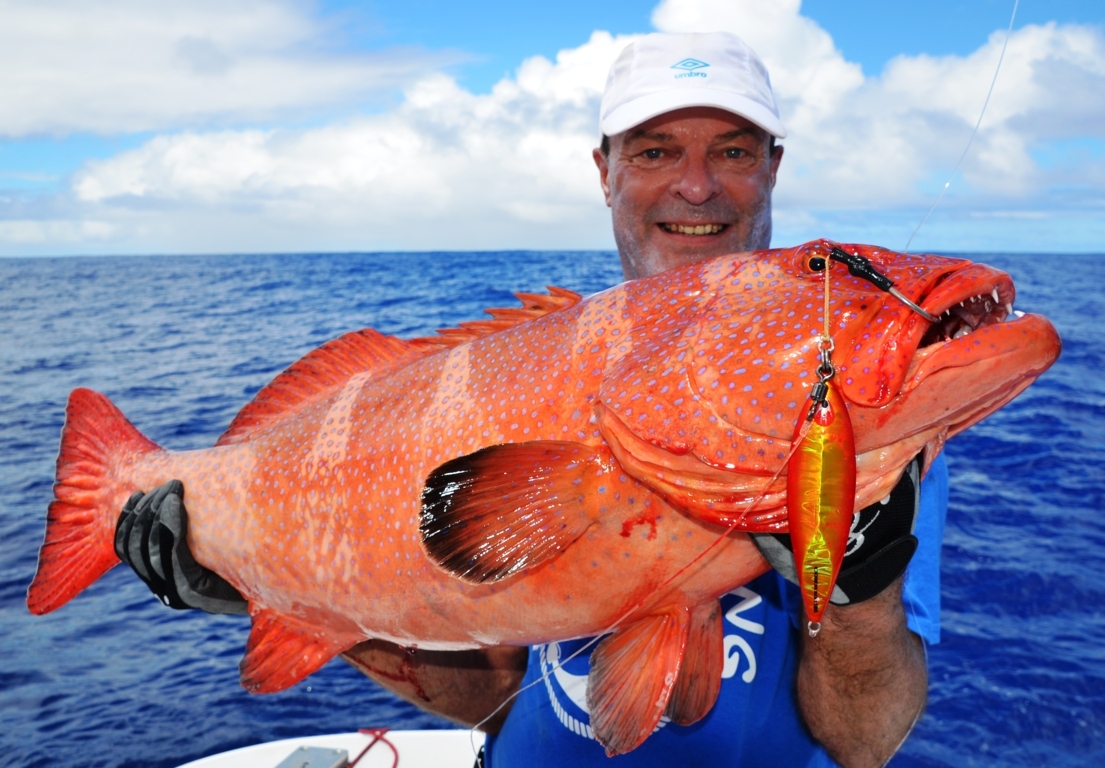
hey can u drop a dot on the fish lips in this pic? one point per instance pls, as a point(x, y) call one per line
point(976, 359)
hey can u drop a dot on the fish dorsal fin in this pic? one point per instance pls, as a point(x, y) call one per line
point(320, 370)
point(366, 351)
point(534, 305)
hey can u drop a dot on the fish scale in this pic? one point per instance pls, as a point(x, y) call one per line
point(566, 468)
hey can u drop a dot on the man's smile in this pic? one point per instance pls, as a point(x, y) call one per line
point(693, 229)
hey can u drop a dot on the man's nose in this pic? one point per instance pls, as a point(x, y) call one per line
point(697, 181)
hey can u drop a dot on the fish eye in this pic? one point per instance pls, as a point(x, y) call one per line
point(816, 263)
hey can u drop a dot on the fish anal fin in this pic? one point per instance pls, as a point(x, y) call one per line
point(699, 681)
point(633, 674)
point(321, 370)
point(490, 514)
point(282, 651)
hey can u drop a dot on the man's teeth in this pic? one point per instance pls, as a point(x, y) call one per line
point(698, 229)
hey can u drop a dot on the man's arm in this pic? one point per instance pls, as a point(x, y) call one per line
point(862, 682)
point(462, 686)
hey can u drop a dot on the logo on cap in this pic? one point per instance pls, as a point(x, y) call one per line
point(690, 68)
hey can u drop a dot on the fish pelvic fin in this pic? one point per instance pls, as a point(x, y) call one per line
point(699, 683)
point(79, 545)
point(490, 514)
point(282, 650)
point(322, 370)
point(633, 674)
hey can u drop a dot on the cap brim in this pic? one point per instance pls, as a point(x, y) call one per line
point(647, 107)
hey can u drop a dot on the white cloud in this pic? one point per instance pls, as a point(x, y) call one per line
point(450, 169)
point(447, 168)
point(129, 66)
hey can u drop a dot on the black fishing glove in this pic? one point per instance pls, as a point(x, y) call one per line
point(151, 537)
point(880, 544)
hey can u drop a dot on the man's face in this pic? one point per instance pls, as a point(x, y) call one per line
point(688, 185)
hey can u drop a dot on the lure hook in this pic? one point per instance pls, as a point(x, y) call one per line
point(860, 267)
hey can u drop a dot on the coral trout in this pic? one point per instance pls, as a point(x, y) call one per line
point(554, 471)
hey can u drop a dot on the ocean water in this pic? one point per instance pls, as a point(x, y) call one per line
point(181, 343)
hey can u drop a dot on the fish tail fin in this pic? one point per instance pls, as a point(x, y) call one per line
point(79, 545)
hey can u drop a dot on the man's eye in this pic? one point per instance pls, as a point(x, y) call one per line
point(735, 153)
point(653, 154)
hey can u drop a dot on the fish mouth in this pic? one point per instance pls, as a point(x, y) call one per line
point(694, 230)
point(964, 306)
point(978, 355)
point(976, 358)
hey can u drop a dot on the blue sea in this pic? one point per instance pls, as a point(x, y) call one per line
point(181, 343)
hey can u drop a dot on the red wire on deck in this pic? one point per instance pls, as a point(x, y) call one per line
point(377, 735)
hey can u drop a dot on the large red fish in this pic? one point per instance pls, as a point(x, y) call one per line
point(575, 463)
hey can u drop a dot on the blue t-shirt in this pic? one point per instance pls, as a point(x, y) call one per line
point(755, 721)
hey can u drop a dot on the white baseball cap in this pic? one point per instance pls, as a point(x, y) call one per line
point(663, 72)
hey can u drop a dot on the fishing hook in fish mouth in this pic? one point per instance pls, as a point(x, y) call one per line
point(860, 267)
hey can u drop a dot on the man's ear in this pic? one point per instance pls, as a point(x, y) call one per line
point(603, 164)
point(776, 158)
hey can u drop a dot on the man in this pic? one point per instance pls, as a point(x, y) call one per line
point(688, 162)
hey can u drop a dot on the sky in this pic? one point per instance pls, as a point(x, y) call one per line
point(246, 126)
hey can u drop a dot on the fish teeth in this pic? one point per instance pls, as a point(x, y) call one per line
point(994, 293)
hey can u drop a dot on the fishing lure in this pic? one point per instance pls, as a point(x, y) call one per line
point(821, 483)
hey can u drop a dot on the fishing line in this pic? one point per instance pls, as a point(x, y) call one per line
point(617, 622)
point(986, 103)
point(795, 443)
point(826, 333)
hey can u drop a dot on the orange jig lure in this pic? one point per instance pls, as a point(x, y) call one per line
point(821, 486)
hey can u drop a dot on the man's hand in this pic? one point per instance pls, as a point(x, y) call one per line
point(862, 682)
point(152, 538)
point(880, 544)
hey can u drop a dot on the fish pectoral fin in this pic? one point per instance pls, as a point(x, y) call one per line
point(696, 690)
point(282, 651)
point(506, 508)
point(633, 675)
